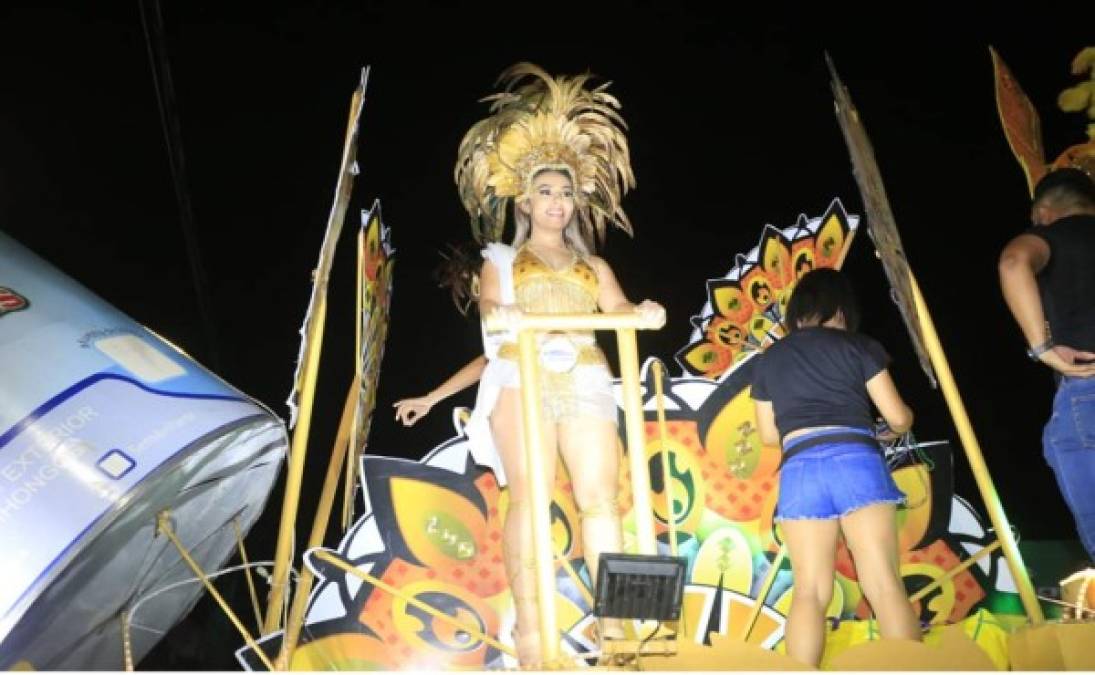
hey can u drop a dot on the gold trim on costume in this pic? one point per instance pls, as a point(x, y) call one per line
point(588, 355)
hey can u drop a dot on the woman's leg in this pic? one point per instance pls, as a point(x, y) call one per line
point(507, 429)
point(590, 448)
point(811, 545)
point(871, 534)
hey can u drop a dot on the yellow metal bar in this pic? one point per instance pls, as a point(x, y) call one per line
point(127, 644)
point(955, 571)
point(765, 587)
point(597, 321)
point(985, 485)
point(636, 440)
point(247, 574)
point(348, 484)
point(539, 495)
point(359, 300)
point(319, 527)
point(671, 516)
point(164, 526)
point(351, 457)
point(294, 479)
point(663, 438)
point(391, 590)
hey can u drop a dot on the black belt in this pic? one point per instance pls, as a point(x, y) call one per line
point(858, 437)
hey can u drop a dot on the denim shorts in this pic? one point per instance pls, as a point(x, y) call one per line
point(831, 480)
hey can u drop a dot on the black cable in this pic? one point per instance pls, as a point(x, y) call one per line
point(172, 133)
point(642, 643)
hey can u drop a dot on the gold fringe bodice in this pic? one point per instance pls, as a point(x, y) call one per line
point(582, 391)
point(538, 287)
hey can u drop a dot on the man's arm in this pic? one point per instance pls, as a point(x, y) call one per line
point(1023, 258)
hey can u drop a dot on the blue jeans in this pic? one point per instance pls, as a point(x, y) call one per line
point(833, 479)
point(1068, 443)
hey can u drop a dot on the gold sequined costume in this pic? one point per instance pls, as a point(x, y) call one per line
point(584, 389)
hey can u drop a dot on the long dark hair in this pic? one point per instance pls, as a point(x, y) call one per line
point(819, 296)
point(459, 272)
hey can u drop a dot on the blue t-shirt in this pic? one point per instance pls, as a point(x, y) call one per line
point(817, 377)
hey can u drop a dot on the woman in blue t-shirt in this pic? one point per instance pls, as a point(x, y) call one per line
point(814, 390)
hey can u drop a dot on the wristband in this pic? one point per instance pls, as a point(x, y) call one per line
point(1035, 352)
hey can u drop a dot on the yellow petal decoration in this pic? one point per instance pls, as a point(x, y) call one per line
point(1075, 99)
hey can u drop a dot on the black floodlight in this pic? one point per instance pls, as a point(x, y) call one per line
point(639, 587)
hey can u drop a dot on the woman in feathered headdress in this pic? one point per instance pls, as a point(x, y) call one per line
point(555, 153)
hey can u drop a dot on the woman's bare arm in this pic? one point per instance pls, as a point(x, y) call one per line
point(611, 298)
point(766, 423)
point(410, 410)
point(884, 395)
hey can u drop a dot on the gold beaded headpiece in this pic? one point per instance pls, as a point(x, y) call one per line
point(537, 123)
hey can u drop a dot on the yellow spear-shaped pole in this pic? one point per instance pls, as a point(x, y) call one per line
point(309, 367)
point(918, 320)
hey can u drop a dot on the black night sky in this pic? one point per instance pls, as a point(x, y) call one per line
point(732, 127)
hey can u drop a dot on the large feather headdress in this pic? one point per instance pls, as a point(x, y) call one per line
point(542, 122)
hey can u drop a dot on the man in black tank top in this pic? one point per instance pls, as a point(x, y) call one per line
point(1047, 275)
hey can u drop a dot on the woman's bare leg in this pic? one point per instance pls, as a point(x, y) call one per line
point(507, 429)
point(811, 545)
point(590, 448)
point(871, 533)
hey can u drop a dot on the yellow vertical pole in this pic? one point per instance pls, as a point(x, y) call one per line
point(539, 495)
point(636, 446)
point(663, 438)
point(247, 573)
point(671, 516)
point(985, 485)
point(319, 528)
point(313, 345)
point(294, 478)
point(351, 456)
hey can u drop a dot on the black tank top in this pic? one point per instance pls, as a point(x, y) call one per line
point(1067, 283)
